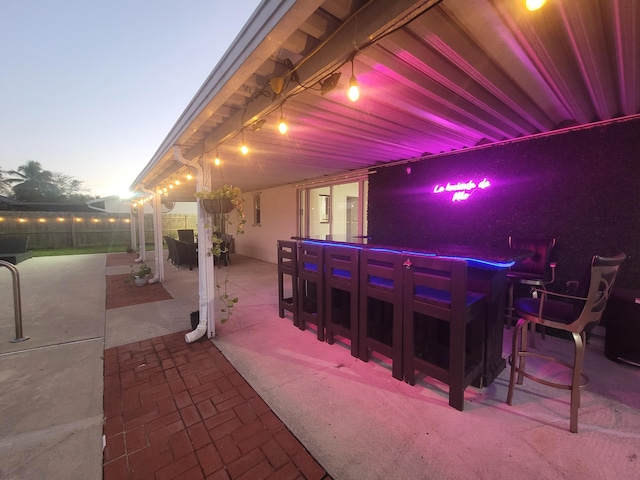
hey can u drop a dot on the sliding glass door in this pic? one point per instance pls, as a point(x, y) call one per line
point(334, 211)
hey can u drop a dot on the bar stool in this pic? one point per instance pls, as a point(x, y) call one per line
point(311, 287)
point(341, 293)
point(535, 271)
point(380, 326)
point(288, 265)
point(443, 324)
point(571, 314)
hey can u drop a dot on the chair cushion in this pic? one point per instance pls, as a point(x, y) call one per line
point(338, 272)
point(560, 312)
point(538, 262)
point(381, 282)
point(442, 297)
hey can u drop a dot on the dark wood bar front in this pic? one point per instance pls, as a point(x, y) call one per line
point(486, 274)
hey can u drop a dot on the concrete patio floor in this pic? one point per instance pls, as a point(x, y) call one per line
point(353, 417)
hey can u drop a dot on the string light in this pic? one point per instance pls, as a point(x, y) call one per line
point(243, 148)
point(217, 161)
point(354, 92)
point(533, 5)
point(282, 125)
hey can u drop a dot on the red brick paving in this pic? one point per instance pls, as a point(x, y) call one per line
point(123, 294)
point(175, 410)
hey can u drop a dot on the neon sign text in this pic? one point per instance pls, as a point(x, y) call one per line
point(462, 190)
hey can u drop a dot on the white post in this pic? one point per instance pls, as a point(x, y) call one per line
point(206, 272)
point(156, 204)
point(142, 255)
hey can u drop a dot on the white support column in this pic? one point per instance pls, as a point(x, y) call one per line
point(206, 272)
point(205, 262)
point(156, 205)
point(142, 255)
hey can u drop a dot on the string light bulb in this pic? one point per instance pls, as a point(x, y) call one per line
point(217, 161)
point(243, 148)
point(189, 177)
point(354, 92)
point(282, 125)
point(533, 5)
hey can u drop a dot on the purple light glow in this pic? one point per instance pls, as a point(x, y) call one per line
point(462, 190)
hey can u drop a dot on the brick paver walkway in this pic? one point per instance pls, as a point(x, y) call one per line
point(175, 410)
point(123, 294)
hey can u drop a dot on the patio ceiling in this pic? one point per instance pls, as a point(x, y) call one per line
point(435, 76)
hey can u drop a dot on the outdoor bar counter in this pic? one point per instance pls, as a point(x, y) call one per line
point(487, 274)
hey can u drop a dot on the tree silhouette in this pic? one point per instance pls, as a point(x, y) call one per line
point(33, 184)
point(5, 186)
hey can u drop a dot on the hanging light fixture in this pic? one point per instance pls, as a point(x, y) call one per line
point(354, 92)
point(329, 83)
point(243, 147)
point(282, 125)
point(217, 161)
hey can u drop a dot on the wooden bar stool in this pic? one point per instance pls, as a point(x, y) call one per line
point(380, 326)
point(311, 286)
point(288, 266)
point(341, 293)
point(443, 324)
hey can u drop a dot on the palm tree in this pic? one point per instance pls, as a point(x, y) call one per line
point(5, 186)
point(33, 184)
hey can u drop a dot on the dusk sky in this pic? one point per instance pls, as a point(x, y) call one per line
point(91, 88)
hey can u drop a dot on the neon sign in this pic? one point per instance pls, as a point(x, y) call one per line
point(462, 190)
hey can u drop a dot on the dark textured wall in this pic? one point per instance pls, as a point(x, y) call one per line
point(581, 186)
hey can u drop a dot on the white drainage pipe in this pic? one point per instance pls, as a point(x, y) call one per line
point(198, 333)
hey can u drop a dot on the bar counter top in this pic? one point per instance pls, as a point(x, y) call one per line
point(479, 256)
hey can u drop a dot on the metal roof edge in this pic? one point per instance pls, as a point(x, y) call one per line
point(255, 31)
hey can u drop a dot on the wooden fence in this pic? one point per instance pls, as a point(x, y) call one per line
point(82, 229)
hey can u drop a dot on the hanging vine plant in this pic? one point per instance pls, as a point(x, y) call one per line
point(220, 205)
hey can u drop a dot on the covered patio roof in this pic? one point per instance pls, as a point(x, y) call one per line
point(435, 76)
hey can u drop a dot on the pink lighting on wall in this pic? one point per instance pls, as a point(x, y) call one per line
point(462, 190)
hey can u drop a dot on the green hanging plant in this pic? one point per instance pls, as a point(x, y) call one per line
point(221, 204)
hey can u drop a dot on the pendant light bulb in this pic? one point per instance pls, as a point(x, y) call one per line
point(282, 125)
point(243, 147)
point(189, 177)
point(354, 92)
point(533, 5)
point(217, 161)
